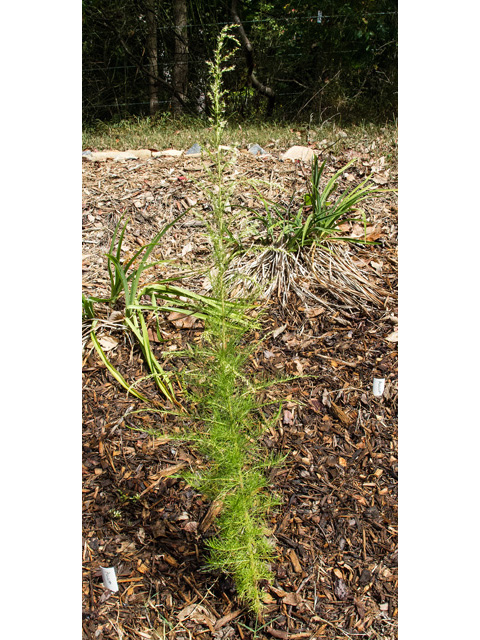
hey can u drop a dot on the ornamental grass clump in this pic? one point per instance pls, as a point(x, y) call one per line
point(303, 248)
point(142, 304)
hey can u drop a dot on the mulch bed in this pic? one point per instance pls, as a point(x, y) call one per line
point(336, 529)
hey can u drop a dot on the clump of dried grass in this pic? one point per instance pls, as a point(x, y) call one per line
point(303, 248)
point(326, 274)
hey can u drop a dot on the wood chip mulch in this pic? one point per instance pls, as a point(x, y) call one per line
point(336, 529)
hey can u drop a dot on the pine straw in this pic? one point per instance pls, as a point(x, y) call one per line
point(312, 274)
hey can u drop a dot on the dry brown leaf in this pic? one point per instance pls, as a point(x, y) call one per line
point(314, 312)
point(278, 331)
point(315, 404)
point(280, 593)
point(196, 612)
point(182, 321)
point(142, 567)
point(107, 343)
point(152, 335)
point(358, 231)
point(299, 366)
point(371, 237)
point(293, 599)
point(267, 598)
point(392, 337)
point(341, 415)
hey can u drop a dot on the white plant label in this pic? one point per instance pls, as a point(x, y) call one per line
point(109, 578)
point(378, 386)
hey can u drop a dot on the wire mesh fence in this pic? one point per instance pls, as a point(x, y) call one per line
point(317, 65)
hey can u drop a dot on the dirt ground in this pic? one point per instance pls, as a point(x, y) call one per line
point(336, 529)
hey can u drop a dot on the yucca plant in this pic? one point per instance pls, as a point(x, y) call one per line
point(141, 300)
point(292, 228)
point(303, 247)
point(322, 223)
point(88, 311)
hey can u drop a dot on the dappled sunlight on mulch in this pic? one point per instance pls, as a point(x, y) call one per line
point(335, 532)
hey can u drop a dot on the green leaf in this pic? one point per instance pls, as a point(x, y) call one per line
point(114, 372)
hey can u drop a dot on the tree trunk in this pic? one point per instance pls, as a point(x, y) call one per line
point(152, 51)
point(180, 63)
point(248, 48)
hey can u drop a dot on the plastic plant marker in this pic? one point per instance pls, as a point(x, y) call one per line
point(109, 578)
point(378, 387)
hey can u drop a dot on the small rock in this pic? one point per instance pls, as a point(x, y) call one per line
point(298, 152)
point(102, 156)
point(341, 590)
point(87, 152)
point(257, 150)
point(143, 154)
point(125, 155)
point(167, 152)
point(194, 150)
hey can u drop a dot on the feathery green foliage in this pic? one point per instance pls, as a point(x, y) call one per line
point(225, 403)
point(217, 69)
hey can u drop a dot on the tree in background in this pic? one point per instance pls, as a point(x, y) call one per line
point(252, 76)
point(180, 60)
point(295, 64)
point(152, 49)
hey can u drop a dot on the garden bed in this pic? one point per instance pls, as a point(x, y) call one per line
point(335, 531)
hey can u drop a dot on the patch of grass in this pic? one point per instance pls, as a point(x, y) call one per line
point(160, 132)
point(168, 131)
